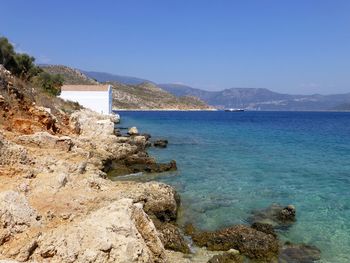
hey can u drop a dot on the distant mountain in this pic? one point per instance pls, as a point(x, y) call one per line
point(342, 107)
point(70, 75)
point(261, 99)
point(104, 77)
point(137, 93)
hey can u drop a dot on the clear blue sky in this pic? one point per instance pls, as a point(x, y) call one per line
point(292, 46)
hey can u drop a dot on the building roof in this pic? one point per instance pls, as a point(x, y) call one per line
point(85, 87)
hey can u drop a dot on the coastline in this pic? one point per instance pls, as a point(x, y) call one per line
point(58, 205)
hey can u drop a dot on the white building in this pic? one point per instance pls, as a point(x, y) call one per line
point(95, 97)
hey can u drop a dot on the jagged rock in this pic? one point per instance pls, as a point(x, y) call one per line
point(248, 241)
point(16, 215)
point(160, 143)
point(133, 131)
point(227, 258)
point(125, 234)
point(47, 141)
point(43, 116)
point(11, 153)
point(278, 216)
point(299, 253)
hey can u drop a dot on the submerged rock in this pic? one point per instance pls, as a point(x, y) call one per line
point(278, 216)
point(248, 241)
point(160, 143)
point(299, 253)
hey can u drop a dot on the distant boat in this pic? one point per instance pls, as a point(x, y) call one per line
point(234, 110)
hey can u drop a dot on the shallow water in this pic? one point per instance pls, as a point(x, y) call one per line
point(232, 163)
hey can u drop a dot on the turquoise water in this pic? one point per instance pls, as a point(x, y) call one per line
point(232, 163)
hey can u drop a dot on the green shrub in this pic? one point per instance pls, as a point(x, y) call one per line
point(50, 83)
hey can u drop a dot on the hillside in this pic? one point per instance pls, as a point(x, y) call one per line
point(103, 77)
point(70, 75)
point(143, 95)
point(260, 99)
point(149, 96)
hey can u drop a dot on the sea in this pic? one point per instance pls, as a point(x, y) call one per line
point(233, 163)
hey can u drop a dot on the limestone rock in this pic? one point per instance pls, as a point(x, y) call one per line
point(91, 124)
point(16, 215)
point(133, 131)
point(120, 232)
point(47, 141)
point(43, 116)
point(11, 153)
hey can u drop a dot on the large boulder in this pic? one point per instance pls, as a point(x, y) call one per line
point(133, 131)
point(120, 232)
point(16, 215)
point(91, 124)
point(248, 241)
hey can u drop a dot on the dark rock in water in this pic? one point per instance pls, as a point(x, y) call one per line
point(140, 162)
point(299, 253)
point(227, 258)
point(266, 228)
point(280, 217)
point(250, 242)
point(160, 143)
point(287, 214)
point(147, 136)
point(171, 236)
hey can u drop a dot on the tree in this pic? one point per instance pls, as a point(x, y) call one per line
point(21, 65)
point(7, 54)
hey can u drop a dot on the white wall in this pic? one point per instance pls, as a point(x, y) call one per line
point(99, 101)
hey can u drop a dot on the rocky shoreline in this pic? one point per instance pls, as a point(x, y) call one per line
point(58, 205)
